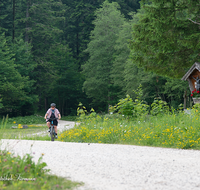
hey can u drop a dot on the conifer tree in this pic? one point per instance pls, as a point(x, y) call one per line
point(11, 82)
point(164, 40)
point(25, 65)
point(65, 86)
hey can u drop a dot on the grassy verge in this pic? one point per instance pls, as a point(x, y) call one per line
point(174, 130)
point(26, 120)
point(7, 125)
point(28, 134)
point(23, 173)
point(45, 137)
point(69, 118)
point(12, 128)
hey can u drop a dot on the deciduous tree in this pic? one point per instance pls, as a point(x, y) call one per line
point(99, 85)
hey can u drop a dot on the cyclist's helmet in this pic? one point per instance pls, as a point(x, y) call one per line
point(53, 105)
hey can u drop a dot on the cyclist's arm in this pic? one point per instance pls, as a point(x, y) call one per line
point(45, 117)
point(59, 116)
point(47, 113)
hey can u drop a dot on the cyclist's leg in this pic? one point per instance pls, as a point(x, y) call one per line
point(48, 124)
point(55, 123)
point(55, 128)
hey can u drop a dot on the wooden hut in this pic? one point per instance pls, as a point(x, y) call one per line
point(191, 76)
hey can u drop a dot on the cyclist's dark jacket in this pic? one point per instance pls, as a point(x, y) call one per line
point(53, 114)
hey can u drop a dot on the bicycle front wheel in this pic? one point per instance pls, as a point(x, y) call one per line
point(52, 133)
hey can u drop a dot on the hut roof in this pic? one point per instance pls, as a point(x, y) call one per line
point(195, 66)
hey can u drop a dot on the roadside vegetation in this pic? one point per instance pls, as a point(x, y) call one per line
point(136, 123)
point(23, 173)
point(7, 122)
point(130, 122)
point(12, 128)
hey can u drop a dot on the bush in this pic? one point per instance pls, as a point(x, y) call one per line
point(33, 119)
point(130, 108)
point(23, 173)
point(159, 107)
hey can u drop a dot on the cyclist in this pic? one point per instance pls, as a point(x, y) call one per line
point(51, 114)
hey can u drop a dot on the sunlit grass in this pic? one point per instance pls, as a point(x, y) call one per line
point(6, 122)
point(175, 130)
point(13, 128)
point(21, 133)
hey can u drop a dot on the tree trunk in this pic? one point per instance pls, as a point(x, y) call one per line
point(185, 99)
point(40, 102)
point(190, 100)
point(77, 44)
point(108, 100)
point(40, 91)
point(60, 105)
point(27, 16)
point(63, 107)
point(77, 50)
point(46, 103)
point(13, 33)
point(66, 107)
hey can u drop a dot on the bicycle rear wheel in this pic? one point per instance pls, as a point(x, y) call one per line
point(52, 133)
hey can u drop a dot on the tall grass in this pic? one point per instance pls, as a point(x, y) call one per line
point(23, 173)
point(26, 120)
point(170, 129)
point(4, 122)
point(12, 128)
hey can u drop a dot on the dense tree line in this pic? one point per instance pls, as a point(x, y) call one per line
point(112, 69)
point(94, 52)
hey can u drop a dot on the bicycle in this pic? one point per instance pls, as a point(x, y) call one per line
point(52, 130)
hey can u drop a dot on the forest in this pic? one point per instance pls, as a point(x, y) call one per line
point(94, 52)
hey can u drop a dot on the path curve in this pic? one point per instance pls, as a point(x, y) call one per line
point(115, 167)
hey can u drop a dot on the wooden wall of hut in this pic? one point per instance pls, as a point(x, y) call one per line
point(194, 74)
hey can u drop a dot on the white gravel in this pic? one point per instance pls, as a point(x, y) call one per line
point(115, 167)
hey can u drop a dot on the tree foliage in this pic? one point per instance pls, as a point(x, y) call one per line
point(98, 84)
point(46, 44)
point(13, 86)
point(164, 40)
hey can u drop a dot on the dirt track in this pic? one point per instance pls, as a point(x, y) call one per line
point(115, 167)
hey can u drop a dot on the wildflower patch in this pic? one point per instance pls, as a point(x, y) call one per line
point(175, 130)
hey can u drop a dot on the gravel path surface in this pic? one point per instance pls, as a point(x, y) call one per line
point(115, 167)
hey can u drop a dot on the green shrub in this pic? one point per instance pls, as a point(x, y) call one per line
point(130, 108)
point(159, 107)
point(23, 173)
point(26, 120)
point(124, 107)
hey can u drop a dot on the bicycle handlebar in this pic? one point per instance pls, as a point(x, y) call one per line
point(52, 118)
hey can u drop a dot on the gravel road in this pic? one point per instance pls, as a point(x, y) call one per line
point(115, 167)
